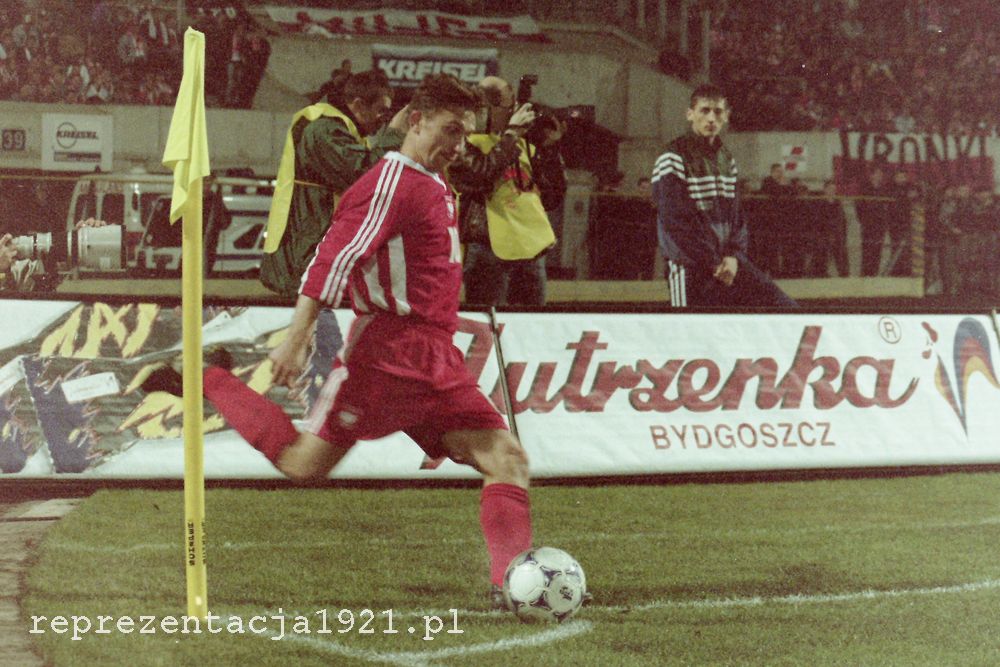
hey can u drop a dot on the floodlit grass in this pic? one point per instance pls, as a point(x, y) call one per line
point(882, 571)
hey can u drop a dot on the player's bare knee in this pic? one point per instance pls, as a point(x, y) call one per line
point(507, 460)
point(302, 471)
point(517, 456)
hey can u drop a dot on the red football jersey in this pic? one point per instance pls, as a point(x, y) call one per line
point(394, 244)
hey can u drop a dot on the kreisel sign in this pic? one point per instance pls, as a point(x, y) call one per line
point(76, 142)
point(406, 66)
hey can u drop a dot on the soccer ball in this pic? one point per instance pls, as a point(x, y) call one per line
point(544, 584)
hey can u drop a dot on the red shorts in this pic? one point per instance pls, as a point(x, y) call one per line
point(397, 376)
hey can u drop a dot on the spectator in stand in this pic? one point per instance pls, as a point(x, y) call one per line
point(101, 89)
point(799, 247)
point(900, 223)
point(8, 80)
point(873, 214)
point(979, 247)
point(973, 223)
point(942, 242)
point(236, 65)
point(160, 31)
point(604, 224)
point(131, 52)
point(831, 233)
point(257, 53)
point(774, 222)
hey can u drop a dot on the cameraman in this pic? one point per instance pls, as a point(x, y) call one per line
point(17, 275)
point(22, 265)
point(505, 185)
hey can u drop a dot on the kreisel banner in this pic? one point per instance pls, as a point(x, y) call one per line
point(406, 66)
point(76, 142)
point(334, 23)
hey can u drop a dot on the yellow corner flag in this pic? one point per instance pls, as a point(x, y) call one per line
point(187, 154)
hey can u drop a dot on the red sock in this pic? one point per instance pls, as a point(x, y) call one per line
point(505, 515)
point(261, 422)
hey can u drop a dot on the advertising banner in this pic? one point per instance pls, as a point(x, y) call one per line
point(646, 394)
point(70, 401)
point(343, 23)
point(591, 394)
point(406, 66)
point(77, 142)
point(937, 159)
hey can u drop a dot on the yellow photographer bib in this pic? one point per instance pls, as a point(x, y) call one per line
point(518, 225)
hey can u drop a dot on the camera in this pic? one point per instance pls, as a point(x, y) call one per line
point(545, 117)
point(33, 246)
point(524, 87)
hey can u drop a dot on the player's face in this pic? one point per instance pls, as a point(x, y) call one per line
point(708, 117)
point(440, 137)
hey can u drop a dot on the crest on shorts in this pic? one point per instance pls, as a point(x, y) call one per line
point(348, 417)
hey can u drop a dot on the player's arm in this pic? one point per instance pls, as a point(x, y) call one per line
point(289, 358)
point(678, 216)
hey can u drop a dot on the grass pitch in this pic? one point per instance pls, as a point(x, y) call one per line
point(899, 571)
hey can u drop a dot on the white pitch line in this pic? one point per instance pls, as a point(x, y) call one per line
point(578, 627)
point(566, 540)
point(722, 603)
point(801, 598)
point(425, 658)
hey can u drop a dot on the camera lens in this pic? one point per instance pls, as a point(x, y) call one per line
point(30, 246)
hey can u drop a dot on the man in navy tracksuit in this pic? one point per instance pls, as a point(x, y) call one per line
point(701, 232)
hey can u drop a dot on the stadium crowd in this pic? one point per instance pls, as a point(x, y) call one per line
point(869, 65)
point(854, 65)
point(101, 52)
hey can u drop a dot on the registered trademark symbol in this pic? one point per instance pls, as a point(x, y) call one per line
point(889, 329)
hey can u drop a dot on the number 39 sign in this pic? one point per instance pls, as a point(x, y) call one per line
point(13, 140)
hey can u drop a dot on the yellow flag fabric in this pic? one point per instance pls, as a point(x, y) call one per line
point(281, 201)
point(186, 152)
point(518, 225)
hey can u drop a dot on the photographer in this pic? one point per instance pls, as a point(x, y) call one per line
point(329, 145)
point(506, 185)
point(17, 272)
point(22, 260)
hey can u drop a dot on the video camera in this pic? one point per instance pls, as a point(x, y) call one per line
point(584, 144)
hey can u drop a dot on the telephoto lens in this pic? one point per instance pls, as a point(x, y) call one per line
point(33, 246)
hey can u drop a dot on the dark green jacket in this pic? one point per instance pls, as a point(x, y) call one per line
point(328, 160)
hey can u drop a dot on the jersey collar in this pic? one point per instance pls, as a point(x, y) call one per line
point(396, 156)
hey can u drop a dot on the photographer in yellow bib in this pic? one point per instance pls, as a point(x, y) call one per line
point(503, 181)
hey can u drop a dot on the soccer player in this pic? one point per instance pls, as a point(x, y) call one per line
point(393, 246)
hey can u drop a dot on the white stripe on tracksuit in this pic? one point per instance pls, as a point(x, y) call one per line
point(340, 268)
point(678, 291)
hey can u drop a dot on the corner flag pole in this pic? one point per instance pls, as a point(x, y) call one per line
point(186, 153)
